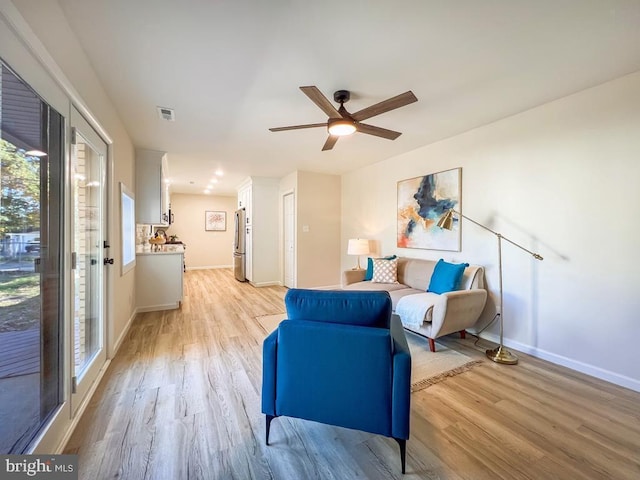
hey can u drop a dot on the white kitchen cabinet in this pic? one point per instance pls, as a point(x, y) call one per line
point(159, 279)
point(152, 191)
point(244, 200)
point(259, 197)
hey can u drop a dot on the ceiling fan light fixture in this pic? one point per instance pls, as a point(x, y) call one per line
point(341, 127)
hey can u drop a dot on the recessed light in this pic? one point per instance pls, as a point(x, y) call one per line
point(219, 172)
point(213, 180)
point(207, 191)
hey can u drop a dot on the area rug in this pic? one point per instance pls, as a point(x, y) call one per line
point(427, 368)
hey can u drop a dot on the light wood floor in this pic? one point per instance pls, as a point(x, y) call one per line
point(181, 400)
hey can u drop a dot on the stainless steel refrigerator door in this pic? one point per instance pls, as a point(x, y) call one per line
point(238, 267)
point(239, 238)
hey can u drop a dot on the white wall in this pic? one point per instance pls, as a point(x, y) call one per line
point(318, 230)
point(318, 222)
point(47, 19)
point(560, 179)
point(205, 249)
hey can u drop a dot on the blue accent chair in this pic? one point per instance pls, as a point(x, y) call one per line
point(339, 359)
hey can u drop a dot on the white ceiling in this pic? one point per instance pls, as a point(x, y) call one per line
point(231, 69)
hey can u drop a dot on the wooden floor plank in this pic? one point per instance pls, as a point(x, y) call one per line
point(19, 353)
point(181, 400)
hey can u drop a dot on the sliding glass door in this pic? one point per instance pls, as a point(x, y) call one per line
point(31, 199)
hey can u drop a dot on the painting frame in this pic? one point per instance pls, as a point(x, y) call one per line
point(215, 221)
point(421, 201)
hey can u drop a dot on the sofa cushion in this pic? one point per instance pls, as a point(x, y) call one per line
point(369, 273)
point(385, 271)
point(415, 273)
point(396, 295)
point(446, 277)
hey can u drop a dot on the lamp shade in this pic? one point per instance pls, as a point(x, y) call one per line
point(358, 246)
point(446, 221)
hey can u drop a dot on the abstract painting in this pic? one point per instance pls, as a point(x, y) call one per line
point(421, 203)
point(215, 221)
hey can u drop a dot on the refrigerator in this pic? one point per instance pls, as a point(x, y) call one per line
point(239, 246)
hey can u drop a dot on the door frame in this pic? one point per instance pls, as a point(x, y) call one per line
point(284, 196)
point(82, 387)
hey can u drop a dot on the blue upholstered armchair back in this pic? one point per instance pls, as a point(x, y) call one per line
point(350, 308)
point(332, 366)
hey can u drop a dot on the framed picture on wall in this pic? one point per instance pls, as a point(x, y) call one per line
point(421, 203)
point(215, 221)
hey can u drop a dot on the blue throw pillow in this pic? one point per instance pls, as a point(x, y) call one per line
point(446, 277)
point(369, 273)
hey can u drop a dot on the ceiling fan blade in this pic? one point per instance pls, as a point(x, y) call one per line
point(331, 141)
point(321, 101)
point(298, 127)
point(386, 105)
point(377, 131)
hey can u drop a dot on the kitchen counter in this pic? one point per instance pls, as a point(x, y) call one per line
point(164, 250)
point(159, 277)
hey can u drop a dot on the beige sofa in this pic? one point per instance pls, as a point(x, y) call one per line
point(443, 314)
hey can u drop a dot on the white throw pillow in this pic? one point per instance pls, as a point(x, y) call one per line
point(385, 271)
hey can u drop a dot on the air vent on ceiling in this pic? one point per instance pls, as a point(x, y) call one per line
point(167, 114)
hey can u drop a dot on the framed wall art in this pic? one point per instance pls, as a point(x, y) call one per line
point(421, 203)
point(215, 221)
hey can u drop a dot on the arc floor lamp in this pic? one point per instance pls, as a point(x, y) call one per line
point(499, 354)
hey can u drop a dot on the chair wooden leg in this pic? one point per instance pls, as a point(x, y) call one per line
point(432, 345)
point(463, 334)
point(403, 451)
point(269, 418)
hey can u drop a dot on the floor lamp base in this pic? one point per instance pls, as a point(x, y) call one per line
point(502, 355)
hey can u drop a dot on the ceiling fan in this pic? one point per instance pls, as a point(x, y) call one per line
point(342, 123)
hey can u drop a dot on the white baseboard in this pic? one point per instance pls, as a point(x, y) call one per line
point(157, 308)
point(123, 334)
point(576, 365)
point(210, 267)
point(265, 284)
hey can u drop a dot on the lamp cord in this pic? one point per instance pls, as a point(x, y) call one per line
point(477, 335)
